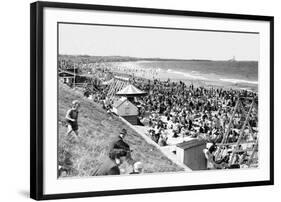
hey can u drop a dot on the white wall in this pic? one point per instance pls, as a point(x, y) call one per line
point(14, 148)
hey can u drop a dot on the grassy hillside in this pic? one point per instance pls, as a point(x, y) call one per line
point(96, 130)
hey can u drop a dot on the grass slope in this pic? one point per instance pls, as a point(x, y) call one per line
point(96, 131)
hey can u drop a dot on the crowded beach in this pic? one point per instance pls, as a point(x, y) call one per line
point(171, 112)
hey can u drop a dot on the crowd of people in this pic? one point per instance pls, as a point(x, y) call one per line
point(172, 110)
point(188, 111)
point(198, 112)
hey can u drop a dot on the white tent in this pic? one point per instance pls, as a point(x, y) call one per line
point(130, 90)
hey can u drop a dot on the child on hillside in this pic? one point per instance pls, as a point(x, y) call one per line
point(72, 118)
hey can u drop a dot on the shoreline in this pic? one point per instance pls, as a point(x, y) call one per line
point(194, 77)
point(217, 84)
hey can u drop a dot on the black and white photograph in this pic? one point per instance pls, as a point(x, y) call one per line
point(130, 100)
point(140, 101)
point(146, 100)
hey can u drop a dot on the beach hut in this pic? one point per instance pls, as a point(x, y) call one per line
point(191, 154)
point(67, 77)
point(74, 79)
point(124, 108)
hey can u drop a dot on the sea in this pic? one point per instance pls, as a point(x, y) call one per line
point(239, 74)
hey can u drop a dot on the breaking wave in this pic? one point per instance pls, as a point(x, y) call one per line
point(239, 81)
point(187, 75)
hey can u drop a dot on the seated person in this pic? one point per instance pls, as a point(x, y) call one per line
point(211, 163)
point(110, 166)
point(119, 142)
point(162, 140)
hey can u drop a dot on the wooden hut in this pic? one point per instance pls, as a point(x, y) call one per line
point(191, 154)
point(67, 76)
point(72, 78)
point(124, 108)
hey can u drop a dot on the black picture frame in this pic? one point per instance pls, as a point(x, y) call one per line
point(37, 99)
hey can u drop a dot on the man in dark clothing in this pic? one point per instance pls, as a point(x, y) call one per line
point(111, 165)
point(119, 142)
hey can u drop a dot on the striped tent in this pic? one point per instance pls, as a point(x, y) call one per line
point(130, 91)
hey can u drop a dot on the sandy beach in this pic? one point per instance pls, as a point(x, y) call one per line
point(144, 69)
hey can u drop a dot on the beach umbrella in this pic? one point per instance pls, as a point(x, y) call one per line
point(130, 91)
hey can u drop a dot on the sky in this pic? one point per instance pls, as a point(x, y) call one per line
point(96, 40)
